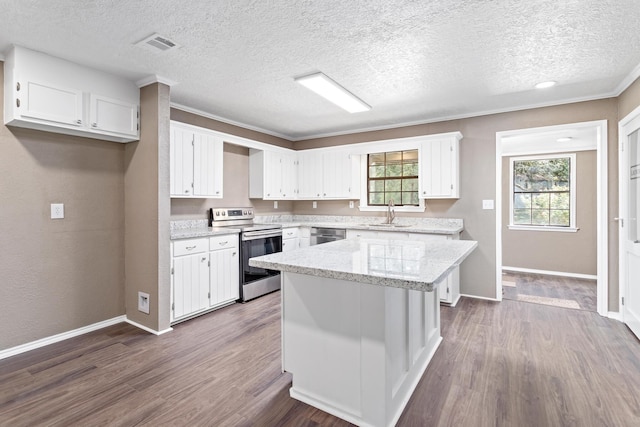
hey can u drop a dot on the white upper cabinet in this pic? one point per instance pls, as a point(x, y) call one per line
point(440, 168)
point(196, 162)
point(113, 115)
point(328, 174)
point(310, 174)
point(47, 102)
point(54, 95)
point(273, 174)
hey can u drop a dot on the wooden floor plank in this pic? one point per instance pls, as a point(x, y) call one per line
point(500, 364)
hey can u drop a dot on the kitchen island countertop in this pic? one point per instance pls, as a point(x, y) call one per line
point(416, 265)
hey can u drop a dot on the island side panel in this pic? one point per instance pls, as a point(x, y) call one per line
point(321, 333)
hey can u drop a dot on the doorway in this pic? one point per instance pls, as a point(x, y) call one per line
point(547, 140)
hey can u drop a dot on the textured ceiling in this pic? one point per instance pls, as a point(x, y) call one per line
point(413, 61)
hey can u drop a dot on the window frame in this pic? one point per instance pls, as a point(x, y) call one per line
point(401, 178)
point(364, 182)
point(572, 194)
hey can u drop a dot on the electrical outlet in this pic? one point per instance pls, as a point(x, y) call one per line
point(143, 302)
point(487, 204)
point(315, 205)
point(57, 210)
point(275, 205)
point(351, 204)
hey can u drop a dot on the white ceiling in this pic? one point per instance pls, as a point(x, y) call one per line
point(413, 61)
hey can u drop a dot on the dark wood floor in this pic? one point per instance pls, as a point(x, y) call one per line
point(500, 364)
point(553, 290)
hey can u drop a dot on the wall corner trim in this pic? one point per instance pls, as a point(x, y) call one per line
point(144, 328)
point(13, 351)
point(154, 78)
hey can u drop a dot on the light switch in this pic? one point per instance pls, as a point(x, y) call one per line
point(487, 204)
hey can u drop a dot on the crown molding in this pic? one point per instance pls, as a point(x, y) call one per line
point(154, 78)
point(229, 121)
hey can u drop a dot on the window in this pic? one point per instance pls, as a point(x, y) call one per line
point(393, 176)
point(543, 192)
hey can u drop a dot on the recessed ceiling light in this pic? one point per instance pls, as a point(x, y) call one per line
point(332, 91)
point(544, 85)
point(564, 139)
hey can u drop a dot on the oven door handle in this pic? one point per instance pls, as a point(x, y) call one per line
point(253, 235)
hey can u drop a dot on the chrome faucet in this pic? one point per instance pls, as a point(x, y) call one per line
point(391, 214)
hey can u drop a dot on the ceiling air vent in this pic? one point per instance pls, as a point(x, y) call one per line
point(156, 42)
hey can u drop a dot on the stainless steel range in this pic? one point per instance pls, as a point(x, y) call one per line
point(256, 240)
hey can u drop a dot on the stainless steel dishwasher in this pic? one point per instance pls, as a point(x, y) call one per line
point(323, 235)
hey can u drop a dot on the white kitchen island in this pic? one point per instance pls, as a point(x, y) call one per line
point(361, 321)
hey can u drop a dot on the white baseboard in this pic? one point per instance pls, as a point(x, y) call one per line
point(550, 273)
point(59, 337)
point(615, 315)
point(144, 328)
point(477, 297)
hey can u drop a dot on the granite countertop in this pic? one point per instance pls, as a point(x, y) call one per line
point(190, 229)
point(449, 226)
point(404, 264)
point(379, 226)
point(186, 229)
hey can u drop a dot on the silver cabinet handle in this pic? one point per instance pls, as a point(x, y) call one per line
point(190, 248)
point(223, 243)
point(79, 121)
point(186, 191)
point(95, 125)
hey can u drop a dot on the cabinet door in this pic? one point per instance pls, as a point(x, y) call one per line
point(112, 115)
point(48, 102)
point(225, 279)
point(439, 169)
point(289, 244)
point(181, 162)
point(310, 175)
point(289, 170)
point(190, 284)
point(272, 175)
point(337, 175)
point(207, 166)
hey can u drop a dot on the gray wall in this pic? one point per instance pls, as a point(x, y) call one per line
point(58, 275)
point(556, 251)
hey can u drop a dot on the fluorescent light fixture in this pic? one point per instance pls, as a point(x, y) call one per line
point(332, 91)
point(545, 85)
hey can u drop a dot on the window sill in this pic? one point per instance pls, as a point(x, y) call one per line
point(395, 208)
point(543, 228)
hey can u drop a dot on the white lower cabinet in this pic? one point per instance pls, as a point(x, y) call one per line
point(225, 269)
point(190, 277)
point(449, 289)
point(290, 240)
point(204, 275)
point(304, 237)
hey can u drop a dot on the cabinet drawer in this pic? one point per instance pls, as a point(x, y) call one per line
point(289, 233)
point(223, 242)
point(189, 246)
